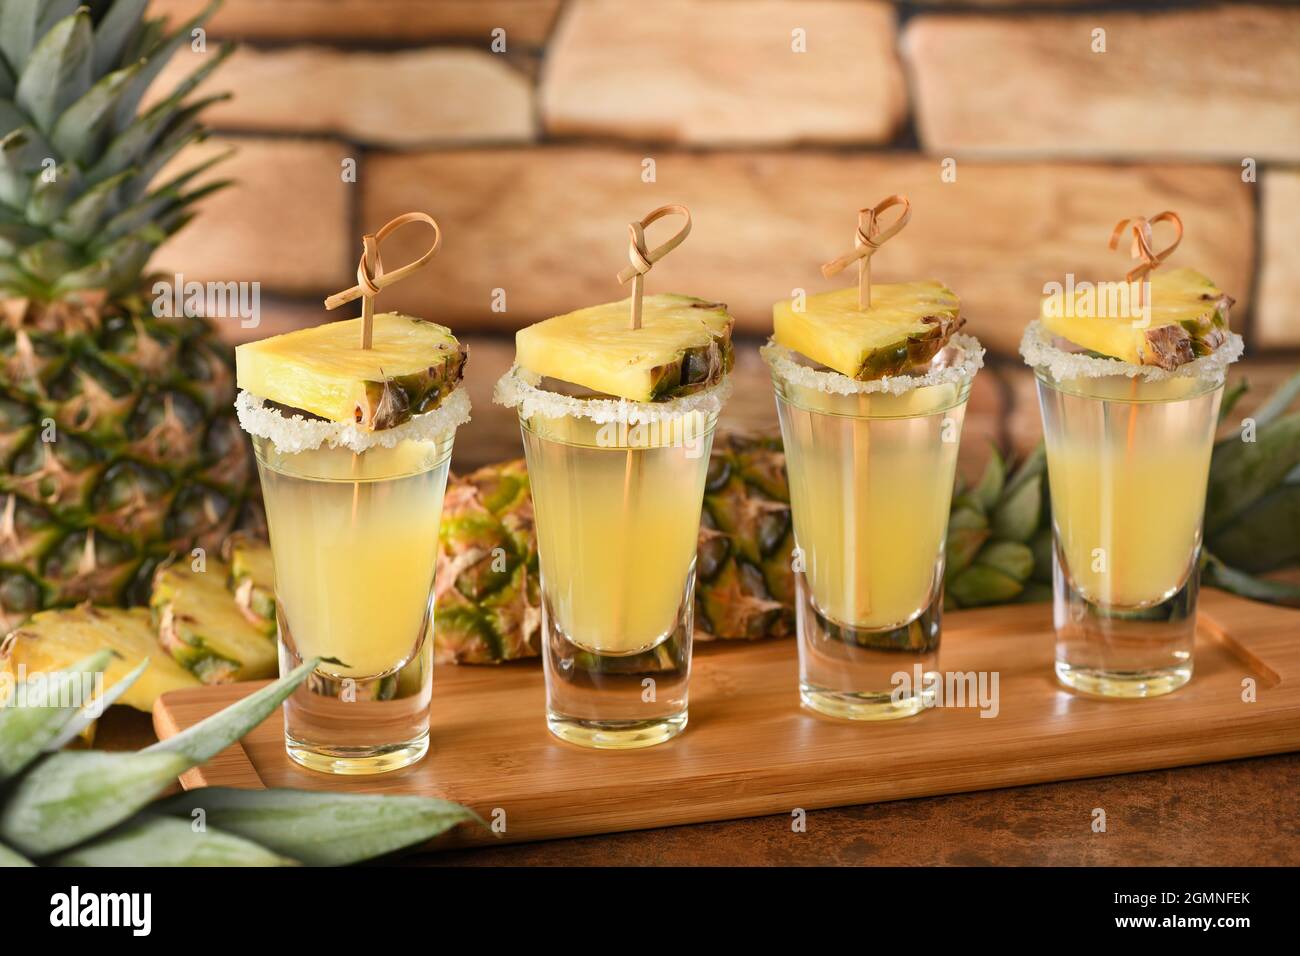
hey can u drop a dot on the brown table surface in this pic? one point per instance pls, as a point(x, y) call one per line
point(1239, 813)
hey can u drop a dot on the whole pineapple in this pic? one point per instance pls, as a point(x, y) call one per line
point(118, 442)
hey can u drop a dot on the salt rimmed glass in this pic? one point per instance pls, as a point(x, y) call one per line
point(1128, 458)
point(617, 491)
point(871, 468)
point(353, 518)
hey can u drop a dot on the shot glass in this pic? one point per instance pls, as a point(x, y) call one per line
point(1128, 461)
point(354, 538)
point(617, 510)
point(871, 477)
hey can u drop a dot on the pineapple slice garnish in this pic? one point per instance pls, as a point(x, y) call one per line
point(55, 639)
point(908, 322)
point(1189, 319)
point(683, 346)
point(411, 367)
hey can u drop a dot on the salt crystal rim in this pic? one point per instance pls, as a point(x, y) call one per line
point(784, 363)
point(1038, 350)
point(294, 433)
point(520, 388)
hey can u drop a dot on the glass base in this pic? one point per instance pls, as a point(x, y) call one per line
point(1121, 652)
point(615, 734)
point(850, 706)
point(356, 761)
point(1107, 683)
point(865, 673)
point(353, 726)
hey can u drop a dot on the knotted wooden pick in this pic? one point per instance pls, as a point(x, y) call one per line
point(642, 260)
point(371, 277)
point(1141, 247)
point(866, 241)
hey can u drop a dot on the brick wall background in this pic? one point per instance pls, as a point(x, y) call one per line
point(532, 158)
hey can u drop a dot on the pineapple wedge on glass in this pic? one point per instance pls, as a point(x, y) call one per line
point(352, 445)
point(1188, 319)
point(683, 346)
point(411, 366)
point(617, 424)
point(871, 402)
point(906, 325)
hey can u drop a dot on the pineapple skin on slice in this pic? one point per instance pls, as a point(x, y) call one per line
point(411, 367)
point(1189, 319)
point(200, 625)
point(683, 346)
point(252, 580)
point(51, 640)
point(908, 322)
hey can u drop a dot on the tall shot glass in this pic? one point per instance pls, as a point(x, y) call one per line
point(1128, 461)
point(354, 540)
point(871, 475)
point(617, 508)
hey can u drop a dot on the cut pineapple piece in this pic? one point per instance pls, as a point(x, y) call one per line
point(199, 623)
point(56, 639)
point(1189, 318)
point(412, 366)
point(683, 346)
point(252, 579)
point(907, 324)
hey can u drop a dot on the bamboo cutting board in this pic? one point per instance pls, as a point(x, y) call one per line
point(751, 750)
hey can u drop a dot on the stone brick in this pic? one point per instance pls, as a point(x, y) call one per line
point(1277, 309)
point(1217, 82)
point(699, 71)
point(286, 222)
point(399, 98)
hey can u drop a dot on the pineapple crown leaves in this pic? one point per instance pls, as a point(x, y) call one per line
point(92, 808)
point(78, 157)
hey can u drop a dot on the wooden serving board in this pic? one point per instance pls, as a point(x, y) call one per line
point(751, 750)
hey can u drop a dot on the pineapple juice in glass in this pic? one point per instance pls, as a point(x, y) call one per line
point(1130, 404)
point(617, 425)
point(352, 447)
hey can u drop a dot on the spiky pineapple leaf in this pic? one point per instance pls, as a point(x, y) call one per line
point(156, 57)
point(52, 192)
point(1265, 535)
point(1217, 574)
point(1278, 402)
point(82, 218)
point(19, 24)
point(1016, 516)
point(1241, 472)
point(58, 72)
point(80, 130)
point(990, 484)
point(119, 24)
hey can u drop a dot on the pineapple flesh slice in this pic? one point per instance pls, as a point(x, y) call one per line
point(907, 323)
point(252, 580)
point(411, 367)
point(1189, 319)
point(52, 640)
point(683, 346)
point(200, 625)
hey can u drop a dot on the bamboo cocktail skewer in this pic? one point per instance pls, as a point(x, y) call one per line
point(371, 279)
point(642, 261)
point(866, 242)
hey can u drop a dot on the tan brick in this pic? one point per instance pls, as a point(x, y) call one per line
point(700, 71)
point(1209, 83)
point(550, 227)
point(399, 98)
point(1277, 311)
point(286, 222)
point(526, 22)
